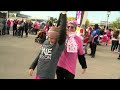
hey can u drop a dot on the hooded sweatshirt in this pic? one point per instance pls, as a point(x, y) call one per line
point(48, 57)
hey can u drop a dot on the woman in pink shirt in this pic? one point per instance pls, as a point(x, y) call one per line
point(105, 39)
point(8, 26)
point(73, 50)
point(36, 27)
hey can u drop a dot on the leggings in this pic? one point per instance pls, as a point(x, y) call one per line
point(114, 45)
point(119, 48)
point(63, 73)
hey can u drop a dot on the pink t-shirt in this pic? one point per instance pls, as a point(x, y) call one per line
point(68, 60)
point(36, 25)
point(104, 38)
point(45, 29)
point(108, 33)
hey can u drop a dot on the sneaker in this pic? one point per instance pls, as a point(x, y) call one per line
point(89, 54)
point(92, 56)
point(118, 58)
point(115, 51)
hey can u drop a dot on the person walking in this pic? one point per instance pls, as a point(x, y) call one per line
point(8, 26)
point(94, 40)
point(4, 26)
point(15, 27)
point(26, 28)
point(21, 28)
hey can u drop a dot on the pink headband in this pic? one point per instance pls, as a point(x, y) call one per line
point(74, 22)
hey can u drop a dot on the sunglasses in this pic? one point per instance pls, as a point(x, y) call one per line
point(70, 27)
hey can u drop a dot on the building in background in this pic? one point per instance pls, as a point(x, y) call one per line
point(4, 14)
point(17, 15)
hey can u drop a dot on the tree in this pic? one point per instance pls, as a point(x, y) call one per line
point(53, 20)
point(115, 24)
point(87, 23)
point(71, 18)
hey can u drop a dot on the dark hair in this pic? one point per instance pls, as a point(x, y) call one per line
point(42, 34)
point(50, 24)
point(110, 29)
point(104, 33)
point(96, 26)
point(86, 32)
point(115, 34)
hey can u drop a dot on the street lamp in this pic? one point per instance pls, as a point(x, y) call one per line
point(108, 14)
point(48, 17)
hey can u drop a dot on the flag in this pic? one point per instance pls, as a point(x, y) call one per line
point(78, 16)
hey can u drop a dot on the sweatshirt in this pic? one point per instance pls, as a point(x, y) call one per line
point(47, 59)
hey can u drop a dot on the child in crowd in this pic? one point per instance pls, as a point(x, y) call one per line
point(86, 41)
point(104, 39)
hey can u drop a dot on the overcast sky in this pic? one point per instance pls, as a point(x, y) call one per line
point(93, 16)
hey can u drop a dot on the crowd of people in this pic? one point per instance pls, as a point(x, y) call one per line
point(19, 27)
point(96, 35)
point(92, 36)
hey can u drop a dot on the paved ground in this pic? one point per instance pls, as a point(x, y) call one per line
point(16, 55)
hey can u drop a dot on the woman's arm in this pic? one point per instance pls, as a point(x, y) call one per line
point(58, 23)
point(82, 61)
point(34, 64)
point(62, 33)
point(81, 57)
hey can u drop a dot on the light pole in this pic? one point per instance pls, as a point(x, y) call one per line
point(48, 17)
point(108, 14)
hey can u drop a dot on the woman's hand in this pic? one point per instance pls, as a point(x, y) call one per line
point(84, 70)
point(64, 12)
point(31, 72)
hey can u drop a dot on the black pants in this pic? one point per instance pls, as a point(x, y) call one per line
point(8, 29)
point(64, 74)
point(119, 48)
point(21, 29)
point(36, 30)
point(26, 31)
point(93, 48)
point(3, 30)
point(14, 31)
point(114, 45)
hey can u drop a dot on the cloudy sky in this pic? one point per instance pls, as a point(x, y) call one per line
point(93, 16)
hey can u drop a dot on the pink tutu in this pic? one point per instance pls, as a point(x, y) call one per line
point(36, 77)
